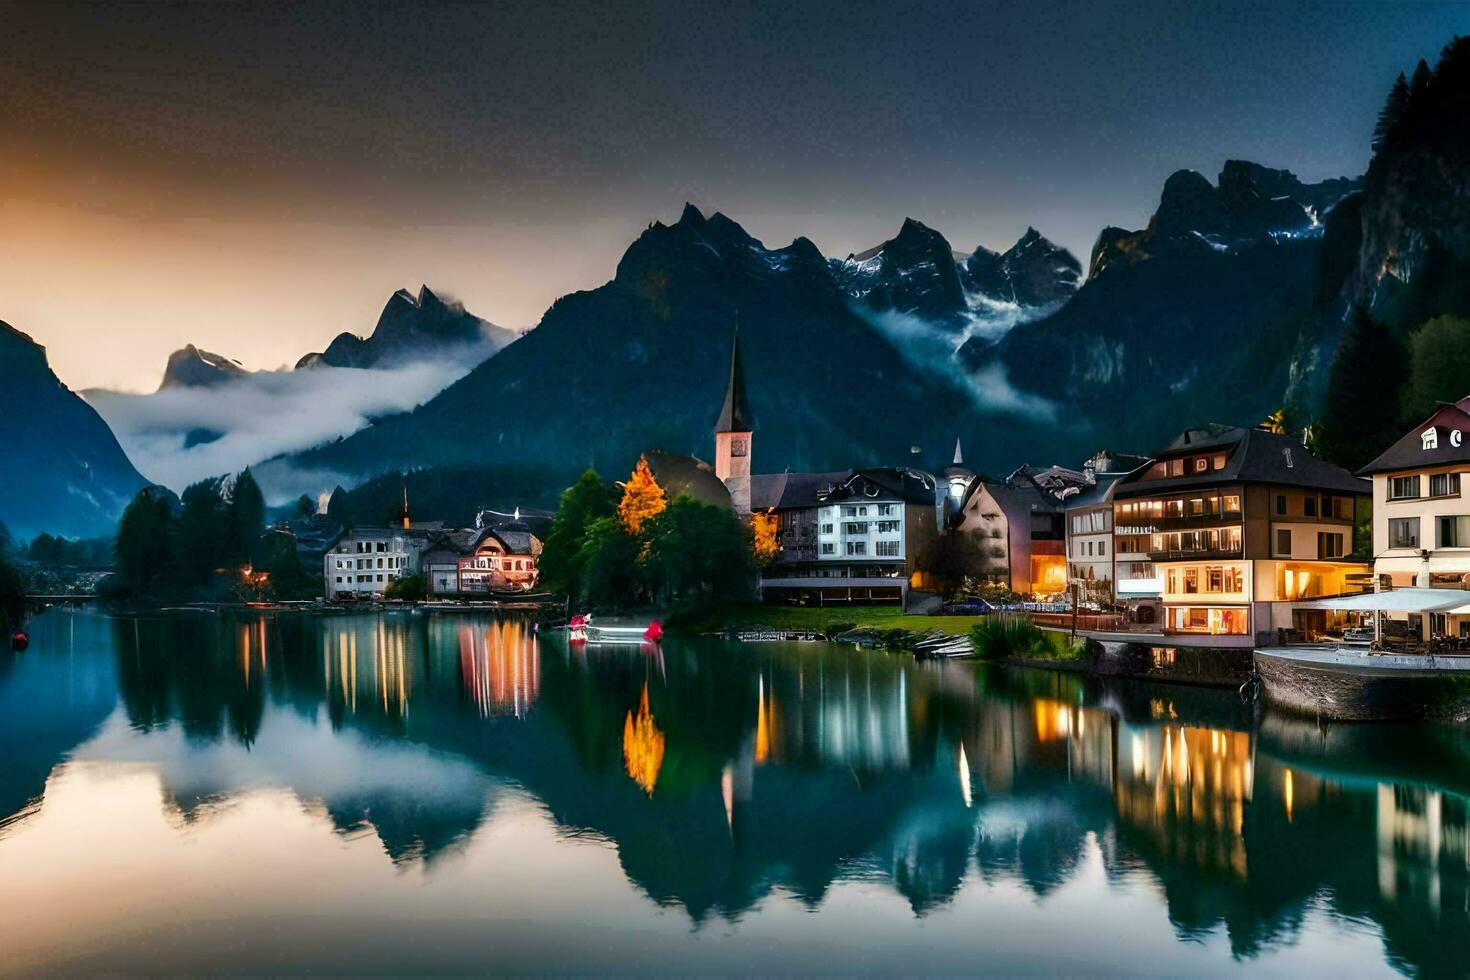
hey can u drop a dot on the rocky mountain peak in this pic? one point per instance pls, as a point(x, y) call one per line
point(1033, 272)
point(191, 367)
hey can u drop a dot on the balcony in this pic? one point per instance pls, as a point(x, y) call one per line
point(1219, 554)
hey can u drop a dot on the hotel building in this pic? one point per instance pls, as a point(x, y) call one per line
point(1421, 517)
point(1234, 528)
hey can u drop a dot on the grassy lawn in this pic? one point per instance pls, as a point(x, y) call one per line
point(753, 616)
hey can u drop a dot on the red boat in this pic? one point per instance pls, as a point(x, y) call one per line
point(19, 641)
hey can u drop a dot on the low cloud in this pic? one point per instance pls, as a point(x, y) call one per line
point(933, 348)
point(179, 435)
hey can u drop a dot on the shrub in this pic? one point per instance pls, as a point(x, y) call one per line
point(411, 588)
point(1003, 636)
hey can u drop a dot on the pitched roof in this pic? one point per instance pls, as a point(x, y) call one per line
point(1254, 456)
point(735, 415)
point(1409, 452)
point(786, 491)
point(516, 540)
point(680, 473)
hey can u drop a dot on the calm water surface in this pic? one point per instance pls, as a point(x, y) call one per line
point(416, 794)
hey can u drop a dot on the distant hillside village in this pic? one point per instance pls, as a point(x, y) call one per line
point(1226, 533)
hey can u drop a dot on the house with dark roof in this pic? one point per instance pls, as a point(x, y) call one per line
point(1230, 530)
point(1011, 535)
point(500, 558)
point(1421, 518)
point(856, 536)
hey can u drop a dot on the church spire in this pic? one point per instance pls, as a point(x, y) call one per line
point(959, 460)
point(735, 415)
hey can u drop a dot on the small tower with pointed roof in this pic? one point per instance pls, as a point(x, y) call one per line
point(733, 434)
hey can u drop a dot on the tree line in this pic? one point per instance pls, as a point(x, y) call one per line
point(616, 547)
point(212, 545)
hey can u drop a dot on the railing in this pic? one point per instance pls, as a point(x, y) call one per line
point(1104, 622)
point(1219, 554)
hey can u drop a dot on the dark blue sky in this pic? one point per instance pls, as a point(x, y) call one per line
point(507, 153)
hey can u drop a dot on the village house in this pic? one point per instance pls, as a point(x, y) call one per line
point(1012, 535)
point(1421, 517)
point(1089, 527)
point(366, 560)
point(1236, 528)
point(500, 559)
point(862, 536)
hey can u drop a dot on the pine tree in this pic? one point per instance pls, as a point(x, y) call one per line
point(643, 499)
point(1355, 425)
point(1392, 113)
point(246, 518)
point(144, 546)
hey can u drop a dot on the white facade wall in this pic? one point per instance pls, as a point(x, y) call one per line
point(1090, 544)
point(1408, 565)
point(861, 530)
point(368, 560)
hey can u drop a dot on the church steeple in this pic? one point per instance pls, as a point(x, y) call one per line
point(733, 432)
point(735, 415)
point(959, 460)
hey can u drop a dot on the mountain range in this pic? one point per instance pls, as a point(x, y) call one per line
point(1210, 312)
point(1228, 305)
point(63, 468)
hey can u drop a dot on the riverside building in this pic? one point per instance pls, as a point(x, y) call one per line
point(1236, 528)
point(1421, 517)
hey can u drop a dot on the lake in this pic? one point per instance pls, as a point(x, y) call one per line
point(435, 793)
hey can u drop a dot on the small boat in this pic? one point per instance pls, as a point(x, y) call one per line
point(19, 641)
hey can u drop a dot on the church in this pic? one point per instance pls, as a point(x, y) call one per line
point(859, 536)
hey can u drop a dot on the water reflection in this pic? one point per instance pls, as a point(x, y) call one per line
point(726, 776)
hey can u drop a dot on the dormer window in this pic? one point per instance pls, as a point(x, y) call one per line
point(1430, 438)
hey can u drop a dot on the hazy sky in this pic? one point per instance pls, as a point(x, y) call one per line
point(256, 181)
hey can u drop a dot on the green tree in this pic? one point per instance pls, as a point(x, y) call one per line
point(305, 507)
point(582, 503)
point(1439, 366)
point(7, 541)
point(203, 540)
point(699, 554)
point(144, 546)
point(608, 558)
point(410, 588)
point(276, 556)
point(246, 518)
point(1357, 423)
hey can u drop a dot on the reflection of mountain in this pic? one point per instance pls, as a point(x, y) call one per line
point(49, 704)
point(779, 771)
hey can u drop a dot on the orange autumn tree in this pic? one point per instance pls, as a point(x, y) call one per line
point(763, 543)
point(643, 499)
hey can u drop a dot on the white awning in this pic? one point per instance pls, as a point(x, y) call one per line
point(1401, 600)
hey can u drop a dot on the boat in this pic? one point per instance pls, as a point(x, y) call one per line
point(581, 630)
point(943, 647)
point(1352, 684)
point(19, 641)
